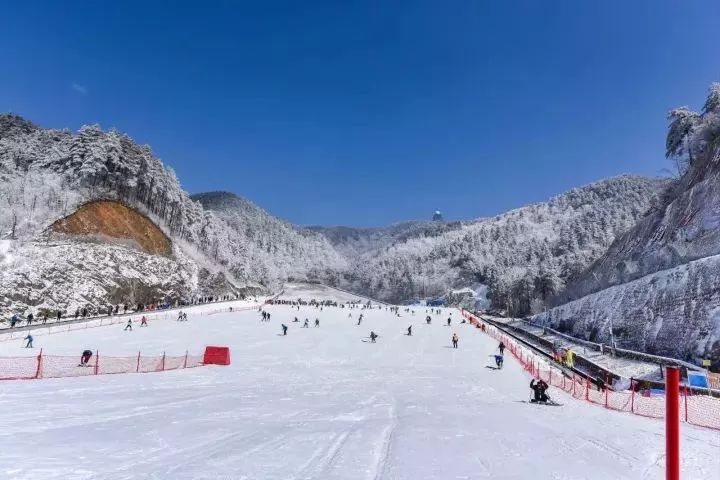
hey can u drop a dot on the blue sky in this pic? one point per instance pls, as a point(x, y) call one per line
point(370, 112)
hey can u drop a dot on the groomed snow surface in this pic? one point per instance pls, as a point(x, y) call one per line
point(320, 403)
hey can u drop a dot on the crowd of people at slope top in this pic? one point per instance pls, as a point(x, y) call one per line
point(109, 310)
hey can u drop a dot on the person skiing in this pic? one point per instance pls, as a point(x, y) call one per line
point(317, 322)
point(359, 320)
point(448, 322)
point(143, 321)
point(296, 320)
point(539, 388)
point(85, 358)
point(501, 347)
point(284, 329)
point(455, 340)
point(180, 316)
point(129, 325)
point(373, 336)
point(499, 361)
point(29, 341)
point(305, 325)
point(428, 319)
point(410, 331)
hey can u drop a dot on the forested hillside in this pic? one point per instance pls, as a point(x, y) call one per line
point(671, 255)
point(47, 174)
point(525, 256)
point(220, 241)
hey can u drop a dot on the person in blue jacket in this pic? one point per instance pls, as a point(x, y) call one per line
point(29, 341)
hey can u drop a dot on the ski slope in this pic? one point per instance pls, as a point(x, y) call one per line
point(320, 403)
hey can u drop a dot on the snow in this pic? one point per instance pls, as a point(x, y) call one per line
point(321, 293)
point(319, 403)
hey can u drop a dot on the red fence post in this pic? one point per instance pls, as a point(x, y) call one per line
point(587, 388)
point(632, 396)
point(672, 423)
point(686, 403)
point(39, 365)
point(163, 363)
point(606, 397)
point(137, 368)
point(185, 362)
point(97, 361)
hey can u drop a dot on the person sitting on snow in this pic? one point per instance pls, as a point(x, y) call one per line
point(539, 387)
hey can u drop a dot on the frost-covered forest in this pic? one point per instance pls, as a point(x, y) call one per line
point(222, 243)
point(657, 285)
point(47, 174)
point(524, 256)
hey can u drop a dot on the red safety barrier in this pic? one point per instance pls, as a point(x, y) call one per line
point(58, 366)
point(217, 356)
point(699, 410)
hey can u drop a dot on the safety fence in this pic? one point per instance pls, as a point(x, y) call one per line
point(57, 366)
point(120, 320)
point(700, 410)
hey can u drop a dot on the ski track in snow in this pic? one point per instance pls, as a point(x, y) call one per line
point(318, 404)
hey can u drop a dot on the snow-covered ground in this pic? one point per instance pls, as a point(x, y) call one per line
point(310, 291)
point(320, 403)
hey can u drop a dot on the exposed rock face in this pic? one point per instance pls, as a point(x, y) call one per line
point(114, 222)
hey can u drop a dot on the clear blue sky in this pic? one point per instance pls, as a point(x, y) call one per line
point(369, 112)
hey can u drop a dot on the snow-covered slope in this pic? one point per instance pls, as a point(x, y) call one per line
point(661, 276)
point(319, 403)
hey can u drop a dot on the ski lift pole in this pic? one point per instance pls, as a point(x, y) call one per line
point(672, 424)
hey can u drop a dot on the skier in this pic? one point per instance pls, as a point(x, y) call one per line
point(410, 331)
point(499, 361)
point(284, 328)
point(180, 316)
point(373, 336)
point(539, 387)
point(455, 340)
point(359, 320)
point(30, 318)
point(129, 325)
point(317, 322)
point(501, 347)
point(143, 321)
point(448, 323)
point(29, 341)
point(85, 358)
point(296, 320)
point(305, 325)
point(428, 319)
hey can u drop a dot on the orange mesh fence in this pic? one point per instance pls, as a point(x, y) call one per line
point(700, 410)
point(18, 368)
point(58, 366)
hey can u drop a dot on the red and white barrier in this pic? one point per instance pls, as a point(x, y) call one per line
point(58, 366)
point(700, 410)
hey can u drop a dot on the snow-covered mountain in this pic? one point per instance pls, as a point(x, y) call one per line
point(524, 256)
point(658, 284)
point(46, 175)
point(352, 241)
point(286, 252)
point(93, 218)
